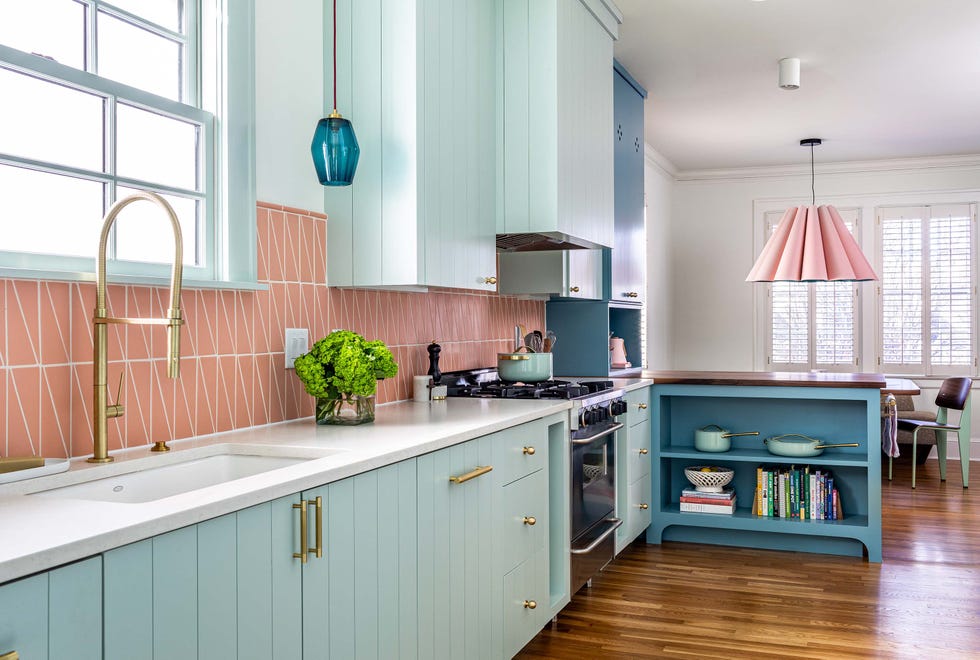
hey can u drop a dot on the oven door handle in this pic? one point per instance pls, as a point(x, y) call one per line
point(587, 441)
point(617, 523)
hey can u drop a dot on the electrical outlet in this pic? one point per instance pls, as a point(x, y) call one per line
point(297, 343)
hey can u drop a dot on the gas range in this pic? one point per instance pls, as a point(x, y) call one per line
point(594, 402)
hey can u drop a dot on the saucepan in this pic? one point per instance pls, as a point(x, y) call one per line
point(713, 438)
point(798, 445)
point(524, 367)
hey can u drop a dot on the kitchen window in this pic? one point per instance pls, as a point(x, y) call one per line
point(102, 99)
point(927, 293)
point(813, 325)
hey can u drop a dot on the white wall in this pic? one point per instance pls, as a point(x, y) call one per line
point(659, 192)
point(289, 90)
point(713, 309)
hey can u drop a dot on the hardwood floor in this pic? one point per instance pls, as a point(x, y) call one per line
point(698, 601)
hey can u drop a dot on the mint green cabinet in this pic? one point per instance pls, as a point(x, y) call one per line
point(417, 79)
point(54, 615)
point(556, 100)
point(633, 469)
point(455, 552)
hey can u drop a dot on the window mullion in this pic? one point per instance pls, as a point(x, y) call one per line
point(91, 39)
point(926, 291)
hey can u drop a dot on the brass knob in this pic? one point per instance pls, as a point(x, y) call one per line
point(490, 280)
point(644, 506)
point(633, 294)
point(529, 451)
point(641, 406)
point(644, 452)
point(530, 604)
point(573, 289)
point(530, 520)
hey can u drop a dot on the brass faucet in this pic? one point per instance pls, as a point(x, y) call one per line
point(103, 412)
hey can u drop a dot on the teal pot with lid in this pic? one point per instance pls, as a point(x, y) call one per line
point(524, 367)
point(713, 438)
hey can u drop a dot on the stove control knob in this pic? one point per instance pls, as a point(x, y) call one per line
point(617, 407)
point(583, 417)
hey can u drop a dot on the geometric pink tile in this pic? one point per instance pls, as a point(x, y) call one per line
point(207, 395)
point(162, 403)
point(244, 322)
point(262, 243)
point(81, 404)
point(260, 324)
point(225, 403)
point(24, 411)
point(320, 251)
point(139, 337)
point(206, 324)
point(307, 249)
point(56, 418)
point(260, 388)
point(185, 408)
point(245, 374)
point(277, 317)
point(277, 387)
point(23, 331)
point(56, 323)
point(277, 233)
point(225, 322)
point(291, 247)
point(138, 420)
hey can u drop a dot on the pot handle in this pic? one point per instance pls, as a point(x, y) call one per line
point(846, 444)
point(732, 435)
point(712, 427)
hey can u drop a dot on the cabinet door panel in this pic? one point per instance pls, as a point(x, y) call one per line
point(639, 440)
point(75, 613)
point(217, 570)
point(24, 617)
point(340, 555)
point(629, 251)
point(128, 593)
point(175, 594)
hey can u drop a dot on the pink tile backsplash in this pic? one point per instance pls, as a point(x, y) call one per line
point(232, 367)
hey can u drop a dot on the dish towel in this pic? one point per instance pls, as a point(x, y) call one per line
point(889, 426)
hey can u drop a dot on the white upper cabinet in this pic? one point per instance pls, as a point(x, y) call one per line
point(417, 79)
point(555, 101)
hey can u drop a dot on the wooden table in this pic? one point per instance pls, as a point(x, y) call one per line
point(898, 386)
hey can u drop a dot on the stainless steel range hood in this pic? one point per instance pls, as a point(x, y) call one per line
point(536, 242)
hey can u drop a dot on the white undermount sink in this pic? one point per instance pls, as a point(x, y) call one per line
point(185, 472)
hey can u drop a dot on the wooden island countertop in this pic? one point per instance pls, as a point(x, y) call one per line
point(767, 378)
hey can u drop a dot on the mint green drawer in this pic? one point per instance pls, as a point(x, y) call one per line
point(522, 519)
point(519, 451)
point(638, 461)
point(638, 405)
point(525, 602)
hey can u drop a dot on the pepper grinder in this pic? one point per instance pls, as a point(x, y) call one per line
point(437, 392)
point(434, 349)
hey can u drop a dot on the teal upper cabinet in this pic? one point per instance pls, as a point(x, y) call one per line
point(555, 179)
point(627, 281)
point(417, 79)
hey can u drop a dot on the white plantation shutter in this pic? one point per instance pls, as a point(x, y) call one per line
point(927, 289)
point(812, 325)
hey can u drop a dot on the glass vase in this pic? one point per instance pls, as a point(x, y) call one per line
point(350, 409)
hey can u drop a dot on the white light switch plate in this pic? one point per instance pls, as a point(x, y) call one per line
point(297, 343)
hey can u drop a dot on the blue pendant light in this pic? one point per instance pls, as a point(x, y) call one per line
point(335, 149)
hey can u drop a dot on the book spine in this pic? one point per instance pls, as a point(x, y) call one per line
point(830, 498)
point(694, 507)
point(772, 493)
point(781, 478)
point(812, 496)
point(758, 491)
point(794, 511)
point(724, 495)
point(707, 500)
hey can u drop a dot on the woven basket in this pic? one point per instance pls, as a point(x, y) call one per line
point(709, 482)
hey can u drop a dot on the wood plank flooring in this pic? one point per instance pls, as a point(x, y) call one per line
point(682, 600)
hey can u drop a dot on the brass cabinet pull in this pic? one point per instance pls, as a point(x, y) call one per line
point(319, 527)
point(644, 507)
point(490, 280)
point(641, 406)
point(530, 604)
point(13, 655)
point(301, 555)
point(573, 289)
point(529, 451)
point(643, 452)
point(463, 478)
point(530, 521)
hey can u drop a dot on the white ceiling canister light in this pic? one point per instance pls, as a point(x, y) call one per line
point(789, 73)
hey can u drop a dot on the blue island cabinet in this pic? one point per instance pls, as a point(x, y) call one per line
point(54, 615)
point(832, 414)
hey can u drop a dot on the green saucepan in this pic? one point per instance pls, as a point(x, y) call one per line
point(713, 438)
point(798, 445)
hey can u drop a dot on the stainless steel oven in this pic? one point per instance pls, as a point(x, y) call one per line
point(593, 485)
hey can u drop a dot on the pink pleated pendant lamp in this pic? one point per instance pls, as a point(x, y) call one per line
point(811, 244)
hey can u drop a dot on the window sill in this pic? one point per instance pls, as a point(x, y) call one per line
point(133, 280)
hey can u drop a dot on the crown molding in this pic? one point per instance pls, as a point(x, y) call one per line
point(659, 161)
point(853, 167)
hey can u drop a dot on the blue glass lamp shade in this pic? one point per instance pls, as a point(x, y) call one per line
point(335, 151)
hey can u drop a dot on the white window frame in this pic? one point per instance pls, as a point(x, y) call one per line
point(926, 368)
point(770, 217)
point(221, 39)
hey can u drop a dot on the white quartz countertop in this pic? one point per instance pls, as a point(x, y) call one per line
point(40, 532)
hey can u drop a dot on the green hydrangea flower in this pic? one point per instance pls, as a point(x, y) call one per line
point(344, 363)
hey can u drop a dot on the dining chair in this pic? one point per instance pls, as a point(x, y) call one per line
point(954, 394)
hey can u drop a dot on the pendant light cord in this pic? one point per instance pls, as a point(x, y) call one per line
point(335, 63)
point(813, 190)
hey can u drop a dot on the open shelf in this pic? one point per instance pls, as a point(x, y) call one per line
point(763, 456)
point(737, 521)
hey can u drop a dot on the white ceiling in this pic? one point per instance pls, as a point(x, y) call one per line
point(880, 78)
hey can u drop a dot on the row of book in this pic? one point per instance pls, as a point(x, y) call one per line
point(696, 501)
point(792, 492)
